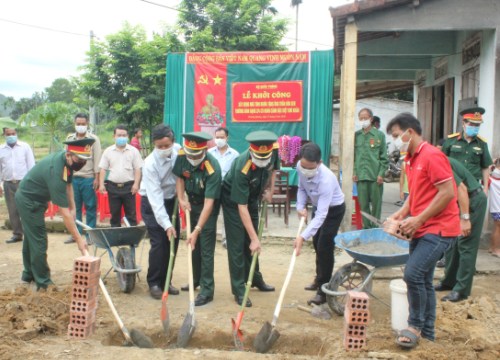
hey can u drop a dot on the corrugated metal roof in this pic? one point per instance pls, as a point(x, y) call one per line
point(341, 15)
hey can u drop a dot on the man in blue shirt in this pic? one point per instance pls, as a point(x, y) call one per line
point(225, 155)
point(157, 205)
point(319, 184)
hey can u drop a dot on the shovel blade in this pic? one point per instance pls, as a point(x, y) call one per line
point(141, 340)
point(186, 331)
point(238, 334)
point(266, 338)
point(164, 314)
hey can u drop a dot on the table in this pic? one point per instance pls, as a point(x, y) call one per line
point(293, 178)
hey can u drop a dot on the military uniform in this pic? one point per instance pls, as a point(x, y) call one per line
point(474, 155)
point(244, 185)
point(46, 181)
point(370, 161)
point(461, 257)
point(201, 181)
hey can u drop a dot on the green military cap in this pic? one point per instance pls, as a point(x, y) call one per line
point(262, 143)
point(473, 114)
point(195, 142)
point(81, 148)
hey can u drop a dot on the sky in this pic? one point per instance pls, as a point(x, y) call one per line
point(46, 40)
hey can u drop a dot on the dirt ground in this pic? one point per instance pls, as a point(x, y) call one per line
point(34, 324)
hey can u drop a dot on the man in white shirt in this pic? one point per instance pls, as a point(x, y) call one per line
point(225, 155)
point(16, 159)
point(124, 163)
point(157, 206)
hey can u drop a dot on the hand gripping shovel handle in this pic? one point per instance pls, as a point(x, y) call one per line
point(287, 278)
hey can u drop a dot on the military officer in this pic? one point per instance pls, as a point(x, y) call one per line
point(199, 176)
point(370, 165)
point(251, 177)
point(49, 180)
point(470, 148)
point(461, 257)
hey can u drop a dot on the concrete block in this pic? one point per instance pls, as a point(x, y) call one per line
point(87, 264)
point(86, 280)
point(352, 343)
point(354, 330)
point(84, 293)
point(80, 319)
point(356, 317)
point(80, 306)
point(357, 300)
point(80, 332)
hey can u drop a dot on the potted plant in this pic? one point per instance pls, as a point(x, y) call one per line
point(289, 149)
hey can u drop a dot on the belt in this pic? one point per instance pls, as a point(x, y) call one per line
point(120, 185)
point(13, 181)
point(475, 192)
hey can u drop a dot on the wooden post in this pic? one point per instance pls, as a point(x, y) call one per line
point(348, 112)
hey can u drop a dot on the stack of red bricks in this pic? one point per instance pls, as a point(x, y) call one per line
point(86, 274)
point(356, 319)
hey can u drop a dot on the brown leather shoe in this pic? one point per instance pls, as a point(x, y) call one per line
point(312, 286)
point(173, 290)
point(156, 292)
point(318, 299)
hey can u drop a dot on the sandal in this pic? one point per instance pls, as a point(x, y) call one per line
point(414, 338)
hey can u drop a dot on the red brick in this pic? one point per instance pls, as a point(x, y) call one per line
point(79, 319)
point(87, 264)
point(357, 300)
point(82, 306)
point(352, 343)
point(84, 293)
point(80, 332)
point(86, 280)
point(356, 317)
point(354, 330)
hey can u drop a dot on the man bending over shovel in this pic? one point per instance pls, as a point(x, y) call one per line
point(317, 182)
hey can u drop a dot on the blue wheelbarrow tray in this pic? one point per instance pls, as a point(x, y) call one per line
point(349, 240)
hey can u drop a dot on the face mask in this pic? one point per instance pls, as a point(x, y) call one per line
point(496, 172)
point(308, 173)
point(121, 141)
point(195, 162)
point(400, 145)
point(11, 139)
point(261, 163)
point(220, 143)
point(365, 123)
point(81, 129)
point(471, 130)
point(164, 153)
point(76, 166)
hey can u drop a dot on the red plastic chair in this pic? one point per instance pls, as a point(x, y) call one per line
point(356, 216)
point(51, 210)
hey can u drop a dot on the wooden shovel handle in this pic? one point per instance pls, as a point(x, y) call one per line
point(189, 257)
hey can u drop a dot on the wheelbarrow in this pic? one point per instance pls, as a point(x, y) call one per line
point(126, 239)
point(384, 250)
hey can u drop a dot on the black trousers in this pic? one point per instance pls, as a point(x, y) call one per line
point(118, 197)
point(159, 254)
point(324, 245)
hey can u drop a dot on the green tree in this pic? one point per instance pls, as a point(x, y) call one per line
point(61, 90)
point(56, 118)
point(231, 25)
point(25, 105)
point(126, 72)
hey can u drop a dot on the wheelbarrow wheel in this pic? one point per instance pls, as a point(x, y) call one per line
point(125, 261)
point(348, 277)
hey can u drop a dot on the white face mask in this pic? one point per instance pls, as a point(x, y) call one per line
point(496, 172)
point(365, 123)
point(400, 145)
point(195, 162)
point(81, 129)
point(220, 143)
point(164, 153)
point(260, 163)
point(308, 173)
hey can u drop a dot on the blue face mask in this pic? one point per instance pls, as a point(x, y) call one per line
point(471, 130)
point(121, 141)
point(11, 139)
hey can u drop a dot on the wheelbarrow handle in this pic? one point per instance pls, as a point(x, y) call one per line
point(85, 226)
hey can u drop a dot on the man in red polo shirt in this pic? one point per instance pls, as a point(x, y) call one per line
point(430, 215)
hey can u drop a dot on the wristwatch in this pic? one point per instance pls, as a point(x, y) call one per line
point(465, 217)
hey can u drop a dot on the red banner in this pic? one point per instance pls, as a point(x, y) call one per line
point(277, 101)
point(262, 57)
point(210, 97)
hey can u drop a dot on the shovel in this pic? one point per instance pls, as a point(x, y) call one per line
point(135, 337)
point(268, 334)
point(189, 325)
point(237, 333)
point(164, 315)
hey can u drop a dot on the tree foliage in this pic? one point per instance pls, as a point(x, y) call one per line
point(127, 73)
point(231, 25)
point(61, 90)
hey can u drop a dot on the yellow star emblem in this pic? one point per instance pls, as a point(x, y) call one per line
point(217, 80)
